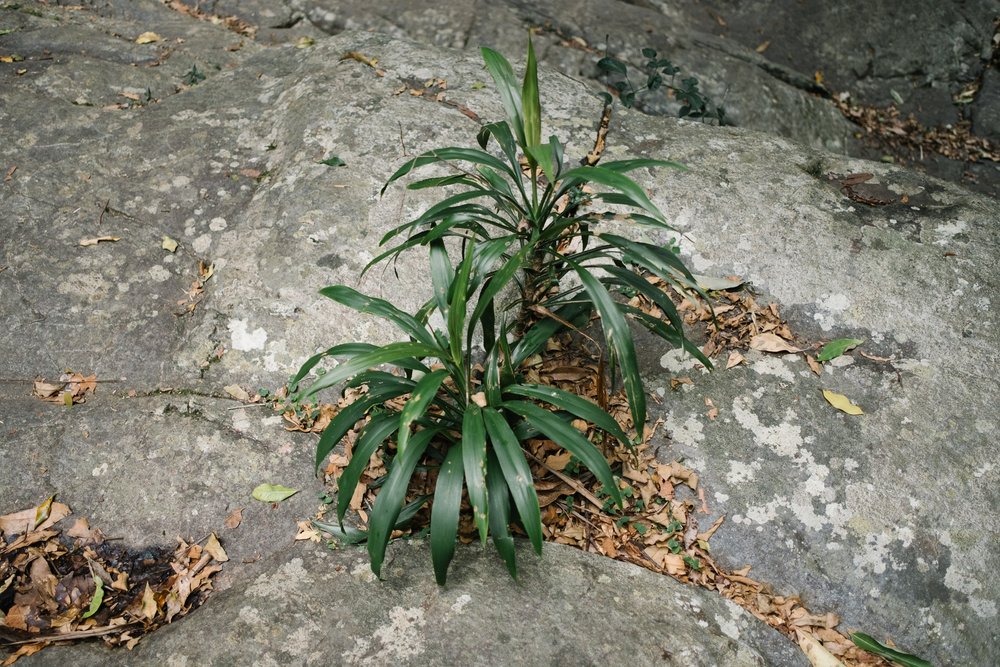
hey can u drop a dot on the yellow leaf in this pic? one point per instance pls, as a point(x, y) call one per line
point(842, 403)
point(42, 511)
point(169, 244)
point(761, 48)
point(148, 38)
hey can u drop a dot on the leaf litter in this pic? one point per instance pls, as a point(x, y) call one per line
point(62, 580)
point(658, 528)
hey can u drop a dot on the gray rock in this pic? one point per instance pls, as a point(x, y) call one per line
point(888, 519)
point(309, 606)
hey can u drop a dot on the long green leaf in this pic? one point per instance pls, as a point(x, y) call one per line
point(459, 303)
point(503, 76)
point(531, 105)
point(444, 513)
point(571, 440)
point(349, 416)
point(630, 279)
point(390, 497)
point(577, 405)
point(371, 438)
point(517, 473)
point(443, 181)
point(436, 212)
point(474, 460)
point(540, 332)
point(872, 645)
point(346, 350)
point(660, 261)
point(363, 303)
point(612, 179)
point(666, 332)
point(348, 535)
point(619, 338)
point(499, 516)
point(387, 354)
point(496, 284)
point(441, 273)
point(622, 166)
point(444, 155)
point(422, 395)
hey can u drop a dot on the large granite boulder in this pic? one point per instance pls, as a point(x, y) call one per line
point(888, 519)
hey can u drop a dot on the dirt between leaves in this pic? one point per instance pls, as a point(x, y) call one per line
point(61, 580)
point(658, 528)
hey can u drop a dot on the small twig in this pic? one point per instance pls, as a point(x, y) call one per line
point(104, 209)
point(70, 636)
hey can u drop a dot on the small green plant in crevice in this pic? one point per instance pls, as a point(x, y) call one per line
point(660, 73)
point(193, 76)
point(520, 224)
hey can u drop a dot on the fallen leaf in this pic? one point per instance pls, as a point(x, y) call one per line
point(817, 655)
point(237, 392)
point(735, 359)
point(333, 162)
point(762, 47)
point(235, 518)
point(814, 365)
point(273, 493)
point(94, 241)
point(21, 522)
point(558, 462)
point(42, 512)
point(215, 550)
point(479, 398)
point(835, 348)
point(714, 284)
point(148, 38)
point(10, 174)
point(305, 42)
point(149, 606)
point(168, 244)
point(96, 600)
point(842, 403)
point(769, 342)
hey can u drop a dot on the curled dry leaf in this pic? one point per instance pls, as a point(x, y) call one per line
point(148, 38)
point(735, 359)
point(769, 342)
point(817, 655)
point(235, 518)
point(814, 365)
point(215, 550)
point(94, 241)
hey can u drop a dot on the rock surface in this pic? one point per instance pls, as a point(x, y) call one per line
point(888, 519)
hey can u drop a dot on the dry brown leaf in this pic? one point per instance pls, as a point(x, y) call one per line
point(148, 38)
point(735, 359)
point(817, 655)
point(234, 519)
point(214, 549)
point(558, 461)
point(21, 522)
point(814, 365)
point(10, 174)
point(769, 342)
point(94, 241)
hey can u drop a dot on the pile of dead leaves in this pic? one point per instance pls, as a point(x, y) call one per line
point(886, 129)
point(69, 389)
point(61, 580)
point(658, 528)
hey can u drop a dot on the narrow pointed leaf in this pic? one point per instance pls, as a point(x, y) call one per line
point(567, 437)
point(387, 354)
point(346, 350)
point(576, 405)
point(619, 338)
point(496, 284)
point(517, 473)
point(872, 645)
point(503, 77)
point(458, 305)
point(422, 395)
point(363, 303)
point(444, 513)
point(611, 179)
point(441, 273)
point(371, 438)
point(348, 417)
point(390, 497)
point(499, 516)
point(474, 461)
point(531, 105)
point(457, 154)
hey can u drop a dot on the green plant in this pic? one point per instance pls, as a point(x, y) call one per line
point(522, 226)
point(661, 73)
